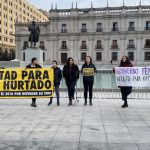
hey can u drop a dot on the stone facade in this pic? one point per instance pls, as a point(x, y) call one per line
point(106, 34)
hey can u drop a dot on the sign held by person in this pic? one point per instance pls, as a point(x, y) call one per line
point(133, 76)
point(88, 71)
point(26, 83)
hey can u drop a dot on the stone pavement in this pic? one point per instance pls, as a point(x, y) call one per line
point(104, 126)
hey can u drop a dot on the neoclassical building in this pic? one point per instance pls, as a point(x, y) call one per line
point(106, 34)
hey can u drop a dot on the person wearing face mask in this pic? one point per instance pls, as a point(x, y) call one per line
point(125, 90)
point(57, 79)
point(70, 74)
point(34, 64)
point(88, 71)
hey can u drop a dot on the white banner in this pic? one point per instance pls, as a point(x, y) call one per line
point(133, 76)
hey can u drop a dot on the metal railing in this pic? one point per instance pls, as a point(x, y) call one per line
point(105, 88)
point(131, 28)
point(99, 29)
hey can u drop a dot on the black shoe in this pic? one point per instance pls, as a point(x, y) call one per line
point(33, 105)
point(58, 104)
point(124, 105)
point(91, 103)
point(70, 103)
point(85, 103)
point(50, 103)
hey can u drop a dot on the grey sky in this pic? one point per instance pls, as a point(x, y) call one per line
point(46, 4)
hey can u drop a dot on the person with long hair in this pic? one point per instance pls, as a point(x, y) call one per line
point(125, 90)
point(88, 71)
point(57, 79)
point(70, 74)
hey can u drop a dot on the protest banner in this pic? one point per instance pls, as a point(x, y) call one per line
point(26, 83)
point(133, 76)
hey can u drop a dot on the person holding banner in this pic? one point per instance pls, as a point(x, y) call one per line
point(34, 64)
point(88, 71)
point(57, 79)
point(125, 90)
point(70, 74)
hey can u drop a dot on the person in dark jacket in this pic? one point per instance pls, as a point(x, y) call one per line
point(34, 64)
point(88, 71)
point(57, 79)
point(70, 74)
point(125, 90)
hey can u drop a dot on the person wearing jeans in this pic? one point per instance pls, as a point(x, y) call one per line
point(88, 71)
point(57, 79)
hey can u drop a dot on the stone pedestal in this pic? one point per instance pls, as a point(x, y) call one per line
point(34, 52)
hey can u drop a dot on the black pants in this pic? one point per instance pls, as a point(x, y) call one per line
point(71, 88)
point(125, 91)
point(34, 100)
point(88, 86)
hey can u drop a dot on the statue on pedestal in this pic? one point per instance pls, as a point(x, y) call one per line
point(34, 33)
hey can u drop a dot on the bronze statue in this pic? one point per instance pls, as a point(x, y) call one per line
point(34, 33)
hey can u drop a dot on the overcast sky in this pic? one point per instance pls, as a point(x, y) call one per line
point(46, 4)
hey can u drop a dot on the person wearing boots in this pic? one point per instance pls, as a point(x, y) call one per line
point(34, 64)
point(70, 74)
point(57, 79)
point(125, 90)
point(88, 71)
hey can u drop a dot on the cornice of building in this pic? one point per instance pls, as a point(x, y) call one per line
point(77, 34)
point(44, 12)
point(140, 9)
point(25, 24)
point(101, 8)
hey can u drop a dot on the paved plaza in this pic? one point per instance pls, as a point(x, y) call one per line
point(103, 126)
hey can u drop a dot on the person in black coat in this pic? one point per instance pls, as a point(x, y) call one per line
point(125, 90)
point(70, 74)
point(88, 78)
point(33, 64)
point(57, 79)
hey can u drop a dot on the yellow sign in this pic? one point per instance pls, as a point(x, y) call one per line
point(26, 83)
point(88, 71)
